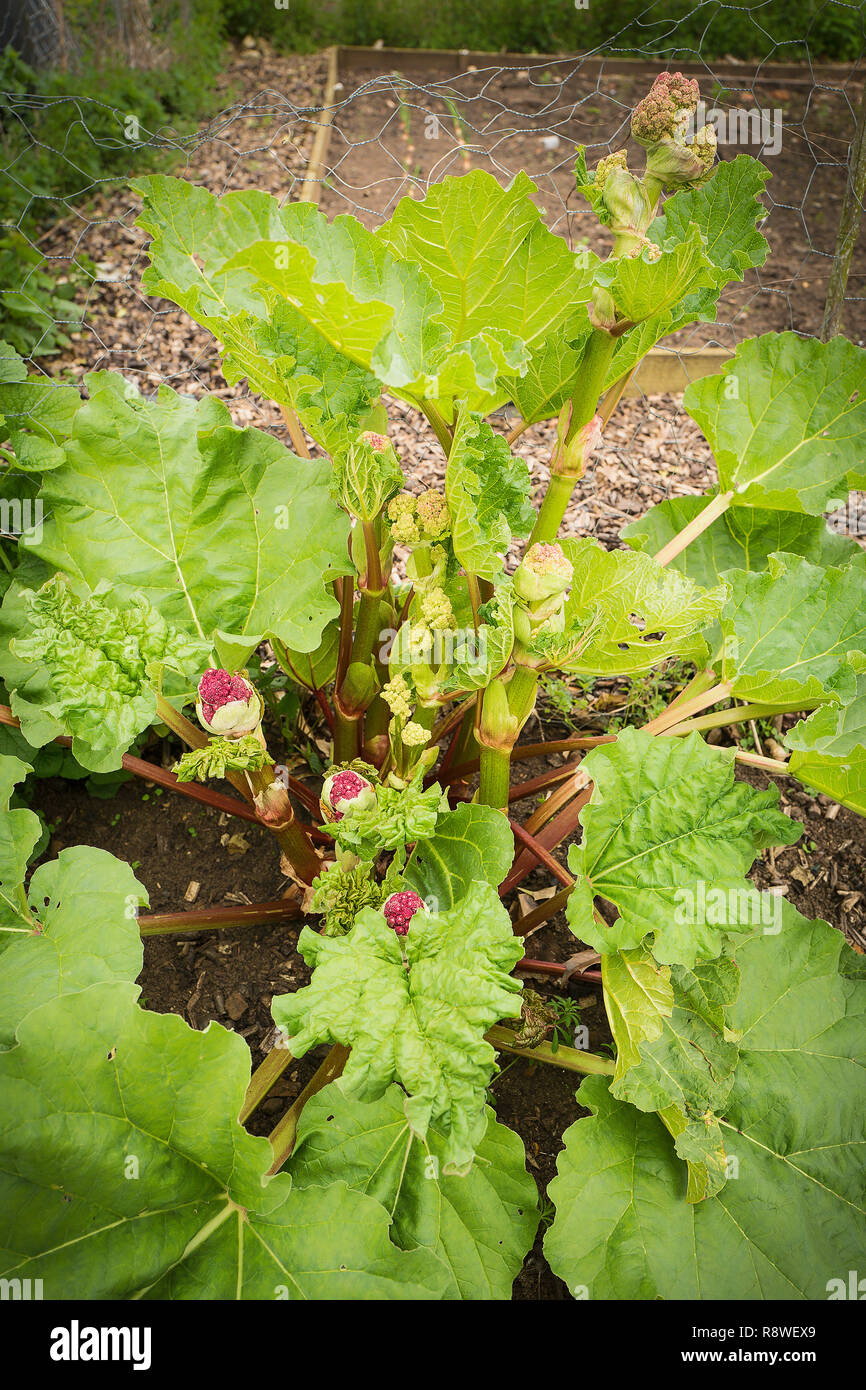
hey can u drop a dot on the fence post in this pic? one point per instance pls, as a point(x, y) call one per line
point(849, 224)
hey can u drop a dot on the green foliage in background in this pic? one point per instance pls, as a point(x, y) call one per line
point(673, 29)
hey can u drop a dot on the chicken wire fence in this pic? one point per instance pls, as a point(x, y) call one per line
point(389, 127)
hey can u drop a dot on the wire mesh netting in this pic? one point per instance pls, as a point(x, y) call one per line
point(396, 123)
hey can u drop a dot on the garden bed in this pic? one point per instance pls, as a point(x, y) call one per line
point(190, 510)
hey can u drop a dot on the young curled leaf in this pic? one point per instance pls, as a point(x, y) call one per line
point(422, 1026)
point(222, 755)
point(397, 817)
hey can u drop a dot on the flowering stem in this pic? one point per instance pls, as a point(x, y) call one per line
point(375, 584)
point(495, 778)
point(279, 817)
point(553, 508)
point(590, 383)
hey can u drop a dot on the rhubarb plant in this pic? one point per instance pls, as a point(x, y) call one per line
point(722, 1150)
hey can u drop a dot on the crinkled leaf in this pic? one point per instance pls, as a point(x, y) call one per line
point(471, 844)
point(222, 529)
point(94, 668)
point(624, 614)
point(83, 930)
point(398, 817)
point(830, 746)
point(423, 1028)
point(837, 730)
point(792, 1217)
point(842, 778)
point(474, 662)
point(788, 630)
point(666, 824)
point(125, 1173)
point(487, 490)
point(221, 755)
point(480, 1225)
point(742, 538)
point(290, 362)
point(786, 421)
point(365, 480)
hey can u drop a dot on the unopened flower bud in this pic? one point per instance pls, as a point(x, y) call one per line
point(415, 735)
point(661, 124)
point(433, 513)
point(399, 910)
point(346, 791)
point(544, 573)
point(227, 704)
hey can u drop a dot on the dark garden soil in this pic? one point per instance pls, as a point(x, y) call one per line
point(231, 976)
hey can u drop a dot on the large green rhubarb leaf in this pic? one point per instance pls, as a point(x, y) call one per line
point(81, 929)
point(553, 370)
point(789, 630)
point(125, 1174)
point(742, 538)
point(471, 844)
point(830, 746)
point(495, 266)
point(221, 529)
point(480, 1225)
point(786, 421)
point(624, 614)
point(36, 415)
point(94, 667)
point(423, 1027)
point(791, 1220)
point(487, 489)
point(668, 837)
point(19, 834)
point(652, 282)
point(239, 264)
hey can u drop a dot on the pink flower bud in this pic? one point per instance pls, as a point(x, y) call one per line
point(399, 910)
point(346, 791)
point(377, 442)
point(227, 704)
